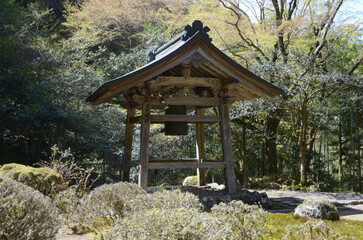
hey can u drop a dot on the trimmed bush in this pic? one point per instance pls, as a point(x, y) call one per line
point(25, 213)
point(67, 201)
point(43, 179)
point(226, 221)
point(168, 224)
point(165, 200)
point(102, 206)
point(246, 221)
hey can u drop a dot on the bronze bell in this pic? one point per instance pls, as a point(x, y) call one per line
point(176, 128)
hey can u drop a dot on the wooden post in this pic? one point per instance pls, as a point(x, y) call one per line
point(129, 132)
point(144, 143)
point(227, 148)
point(200, 149)
point(245, 178)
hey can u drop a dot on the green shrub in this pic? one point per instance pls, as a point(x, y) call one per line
point(246, 221)
point(42, 179)
point(71, 173)
point(226, 221)
point(316, 230)
point(168, 224)
point(103, 206)
point(25, 213)
point(67, 201)
point(165, 200)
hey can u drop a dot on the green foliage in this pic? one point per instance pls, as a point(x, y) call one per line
point(43, 179)
point(25, 213)
point(67, 201)
point(157, 223)
point(246, 221)
point(102, 206)
point(310, 230)
point(164, 200)
point(72, 174)
point(280, 225)
point(235, 220)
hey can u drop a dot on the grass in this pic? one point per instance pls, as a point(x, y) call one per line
point(277, 222)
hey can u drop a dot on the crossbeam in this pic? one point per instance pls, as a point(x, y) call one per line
point(185, 81)
point(179, 164)
point(179, 118)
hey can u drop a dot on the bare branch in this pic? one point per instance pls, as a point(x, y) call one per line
point(356, 65)
point(327, 28)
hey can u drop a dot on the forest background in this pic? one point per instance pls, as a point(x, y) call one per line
point(54, 53)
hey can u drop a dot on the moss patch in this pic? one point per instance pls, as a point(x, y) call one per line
point(42, 179)
point(276, 224)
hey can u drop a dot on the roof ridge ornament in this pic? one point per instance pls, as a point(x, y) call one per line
point(197, 26)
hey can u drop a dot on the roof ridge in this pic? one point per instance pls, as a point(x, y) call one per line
point(189, 31)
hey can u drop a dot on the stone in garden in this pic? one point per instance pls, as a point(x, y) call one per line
point(317, 208)
point(190, 181)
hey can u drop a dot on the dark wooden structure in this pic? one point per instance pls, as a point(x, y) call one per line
point(189, 71)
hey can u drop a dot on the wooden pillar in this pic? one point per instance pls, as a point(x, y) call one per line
point(200, 149)
point(144, 144)
point(227, 148)
point(129, 132)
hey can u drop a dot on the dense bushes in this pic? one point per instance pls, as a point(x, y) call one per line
point(43, 179)
point(165, 200)
point(25, 213)
point(165, 224)
point(245, 221)
point(233, 221)
point(98, 209)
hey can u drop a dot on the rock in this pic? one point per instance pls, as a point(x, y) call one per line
point(317, 208)
point(217, 186)
point(272, 185)
point(190, 181)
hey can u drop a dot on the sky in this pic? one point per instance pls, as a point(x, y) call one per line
point(351, 8)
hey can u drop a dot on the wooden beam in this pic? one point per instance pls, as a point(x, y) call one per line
point(147, 75)
point(184, 118)
point(129, 132)
point(192, 101)
point(173, 160)
point(179, 164)
point(186, 81)
point(183, 165)
point(144, 144)
point(179, 118)
point(200, 149)
point(227, 148)
point(253, 87)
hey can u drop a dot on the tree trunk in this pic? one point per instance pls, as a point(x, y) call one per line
point(271, 151)
point(351, 177)
point(311, 148)
point(327, 156)
point(357, 147)
point(303, 145)
point(340, 173)
point(245, 177)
